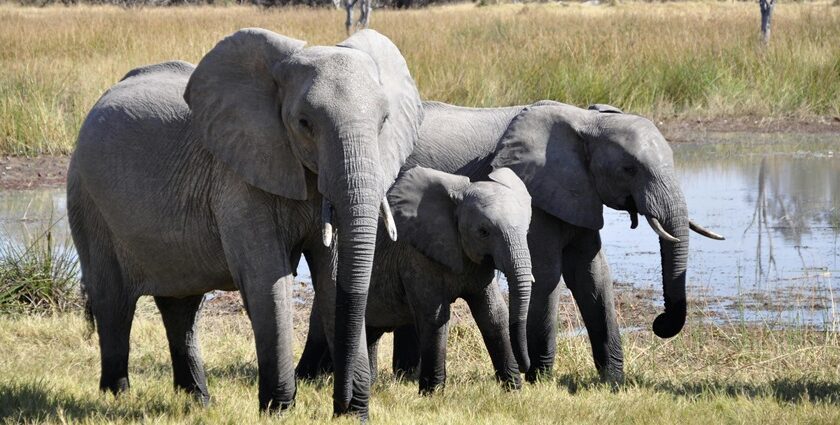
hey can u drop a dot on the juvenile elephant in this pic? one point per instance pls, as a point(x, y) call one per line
point(190, 179)
point(453, 234)
point(573, 162)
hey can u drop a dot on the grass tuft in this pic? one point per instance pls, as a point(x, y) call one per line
point(39, 278)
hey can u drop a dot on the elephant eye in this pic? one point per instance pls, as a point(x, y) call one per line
point(629, 170)
point(384, 120)
point(304, 124)
point(483, 233)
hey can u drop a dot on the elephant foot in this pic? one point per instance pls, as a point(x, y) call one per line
point(351, 409)
point(613, 378)
point(310, 372)
point(202, 398)
point(114, 386)
point(537, 374)
point(428, 388)
point(274, 407)
point(511, 383)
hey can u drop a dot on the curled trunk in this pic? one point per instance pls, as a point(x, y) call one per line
point(666, 203)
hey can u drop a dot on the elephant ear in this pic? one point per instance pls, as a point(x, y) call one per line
point(423, 202)
point(545, 146)
point(506, 177)
point(604, 108)
point(399, 133)
point(235, 110)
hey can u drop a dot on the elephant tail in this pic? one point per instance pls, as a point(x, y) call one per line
point(88, 312)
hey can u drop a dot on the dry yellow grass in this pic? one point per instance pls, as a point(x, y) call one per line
point(665, 60)
point(708, 374)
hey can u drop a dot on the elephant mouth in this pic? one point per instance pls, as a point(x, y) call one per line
point(630, 207)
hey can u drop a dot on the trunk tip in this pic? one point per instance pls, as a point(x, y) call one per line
point(668, 325)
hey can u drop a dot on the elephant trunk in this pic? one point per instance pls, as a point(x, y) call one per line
point(519, 278)
point(357, 197)
point(666, 209)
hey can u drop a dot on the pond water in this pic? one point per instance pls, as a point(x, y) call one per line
point(776, 198)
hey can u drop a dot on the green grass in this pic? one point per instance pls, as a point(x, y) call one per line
point(676, 60)
point(708, 374)
point(39, 278)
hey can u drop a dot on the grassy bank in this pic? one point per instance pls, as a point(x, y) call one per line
point(684, 60)
point(708, 374)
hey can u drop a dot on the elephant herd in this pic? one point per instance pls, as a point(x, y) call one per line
point(220, 176)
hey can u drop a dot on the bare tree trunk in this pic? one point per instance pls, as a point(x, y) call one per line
point(766, 15)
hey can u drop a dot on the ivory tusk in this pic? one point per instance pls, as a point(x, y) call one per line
point(389, 219)
point(531, 278)
point(705, 232)
point(326, 218)
point(654, 224)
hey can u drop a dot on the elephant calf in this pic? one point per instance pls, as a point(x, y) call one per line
point(453, 234)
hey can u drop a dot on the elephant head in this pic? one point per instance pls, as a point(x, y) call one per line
point(453, 221)
point(273, 111)
point(574, 161)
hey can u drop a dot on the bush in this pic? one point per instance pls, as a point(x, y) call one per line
point(39, 278)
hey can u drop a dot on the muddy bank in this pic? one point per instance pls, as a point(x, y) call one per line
point(21, 173)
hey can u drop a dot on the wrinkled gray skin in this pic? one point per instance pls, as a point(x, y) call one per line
point(573, 162)
point(453, 234)
point(186, 180)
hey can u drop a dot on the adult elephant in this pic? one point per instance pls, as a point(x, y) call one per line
point(573, 161)
point(186, 180)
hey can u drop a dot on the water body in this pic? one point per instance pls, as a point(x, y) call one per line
point(776, 198)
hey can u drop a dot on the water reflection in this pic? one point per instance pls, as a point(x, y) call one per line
point(27, 214)
point(775, 197)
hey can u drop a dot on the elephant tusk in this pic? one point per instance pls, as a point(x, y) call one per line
point(705, 232)
point(389, 219)
point(634, 219)
point(530, 278)
point(326, 218)
point(654, 224)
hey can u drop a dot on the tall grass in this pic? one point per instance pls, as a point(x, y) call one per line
point(41, 277)
point(681, 60)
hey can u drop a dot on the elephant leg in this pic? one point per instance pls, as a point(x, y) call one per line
point(110, 302)
point(113, 316)
point(587, 275)
point(545, 240)
point(364, 19)
point(180, 316)
point(491, 315)
point(348, 7)
point(316, 360)
point(433, 329)
point(268, 302)
point(373, 336)
point(406, 357)
point(542, 314)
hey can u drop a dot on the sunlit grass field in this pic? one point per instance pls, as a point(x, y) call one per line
point(708, 374)
point(674, 60)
